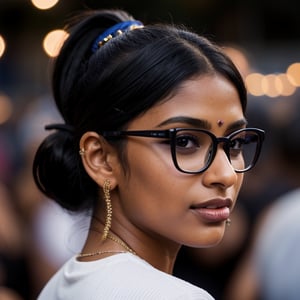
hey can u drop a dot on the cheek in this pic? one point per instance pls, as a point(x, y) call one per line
point(239, 183)
point(240, 180)
point(151, 182)
point(152, 195)
point(151, 169)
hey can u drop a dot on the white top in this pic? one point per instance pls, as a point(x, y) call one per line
point(122, 276)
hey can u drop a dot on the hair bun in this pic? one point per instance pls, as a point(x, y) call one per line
point(61, 127)
point(58, 171)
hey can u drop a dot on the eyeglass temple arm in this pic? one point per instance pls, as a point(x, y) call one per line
point(145, 133)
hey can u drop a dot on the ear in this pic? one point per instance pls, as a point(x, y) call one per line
point(99, 158)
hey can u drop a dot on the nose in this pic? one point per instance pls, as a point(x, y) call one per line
point(220, 172)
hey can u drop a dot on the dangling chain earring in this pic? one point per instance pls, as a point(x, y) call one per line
point(106, 191)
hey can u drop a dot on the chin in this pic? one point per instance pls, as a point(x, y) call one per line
point(209, 237)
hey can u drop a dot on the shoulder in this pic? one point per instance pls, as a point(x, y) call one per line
point(123, 276)
point(139, 276)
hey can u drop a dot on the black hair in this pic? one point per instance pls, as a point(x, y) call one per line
point(107, 89)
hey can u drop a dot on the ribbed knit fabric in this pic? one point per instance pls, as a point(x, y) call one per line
point(118, 277)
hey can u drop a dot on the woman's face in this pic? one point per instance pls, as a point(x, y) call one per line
point(166, 204)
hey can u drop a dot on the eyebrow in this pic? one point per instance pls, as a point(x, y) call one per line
point(237, 125)
point(203, 124)
point(187, 120)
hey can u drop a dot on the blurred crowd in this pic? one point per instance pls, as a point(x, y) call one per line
point(36, 236)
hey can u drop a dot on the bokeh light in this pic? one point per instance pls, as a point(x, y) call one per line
point(293, 73)
point(253, 83)
point(239, 59)
point(2, 46)
point(274, 85)
point(44, 4)
point(269, 86)
point(53, 42)
point(6, 108)
point(284, 85)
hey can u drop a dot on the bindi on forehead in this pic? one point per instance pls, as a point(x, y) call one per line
point(220, 122)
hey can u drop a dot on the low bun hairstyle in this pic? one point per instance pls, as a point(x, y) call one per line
point(106, 89)
point(59, 173)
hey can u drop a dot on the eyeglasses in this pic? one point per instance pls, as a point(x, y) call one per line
point(193, 150)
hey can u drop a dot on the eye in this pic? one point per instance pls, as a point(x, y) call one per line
point(187, 143)
point(236, 146)
point(237, 143)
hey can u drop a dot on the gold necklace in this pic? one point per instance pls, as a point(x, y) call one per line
point(116, 240)
point(120, 242)
point(98, 253)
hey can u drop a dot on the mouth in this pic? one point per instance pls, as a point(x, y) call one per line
point(215, 210)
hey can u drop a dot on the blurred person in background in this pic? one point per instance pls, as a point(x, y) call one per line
point(13, 283)
point(52, 234)
point(270, 269)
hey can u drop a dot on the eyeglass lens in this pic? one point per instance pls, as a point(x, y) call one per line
point(195, 150)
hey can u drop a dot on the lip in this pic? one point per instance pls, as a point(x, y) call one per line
point(214, 210)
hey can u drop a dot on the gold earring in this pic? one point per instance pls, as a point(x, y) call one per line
point(81, 151)
point(106, 191)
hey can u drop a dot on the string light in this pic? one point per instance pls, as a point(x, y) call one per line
point(44, 4)
point(2, 46)
point(274, 85)
point(293, 73)
point(5, 108)
point(53, 42)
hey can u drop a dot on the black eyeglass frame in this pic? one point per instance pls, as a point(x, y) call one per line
point(171, 134)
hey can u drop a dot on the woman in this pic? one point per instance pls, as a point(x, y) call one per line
point(154, 144)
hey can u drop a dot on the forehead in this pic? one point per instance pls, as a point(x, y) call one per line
point(209, 98)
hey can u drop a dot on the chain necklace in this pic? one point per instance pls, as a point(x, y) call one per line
point(122, 243)
point(80, 255)
point(114, 239)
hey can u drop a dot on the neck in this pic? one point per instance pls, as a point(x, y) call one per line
point(159, 253)
point(161, 256)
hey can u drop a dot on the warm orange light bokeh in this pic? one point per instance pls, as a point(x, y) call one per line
point(53, 42)
point(2, 46)
point(44, 4)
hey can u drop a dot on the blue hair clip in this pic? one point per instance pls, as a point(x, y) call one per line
point(114, 31)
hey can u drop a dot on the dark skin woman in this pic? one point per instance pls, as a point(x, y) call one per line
point(154, 146)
